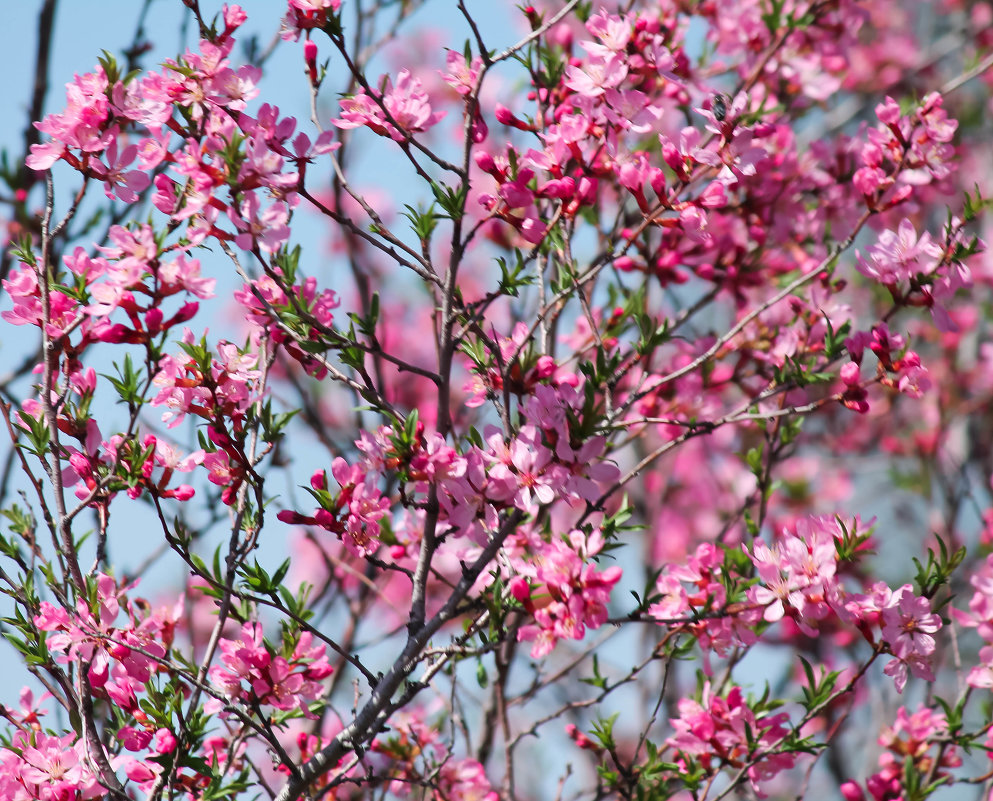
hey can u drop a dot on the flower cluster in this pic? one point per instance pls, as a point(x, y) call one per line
point(911, 753)
point(270, 296)
point(122, 661)
point(415, 750)
point(980, 617)
point(46, 767)
point(727, 729)
point(694, 595)
point(919, 143)
point(800, 578)
point(251, 673)
point(401, 110)
point(119, 659)
point(563, 594)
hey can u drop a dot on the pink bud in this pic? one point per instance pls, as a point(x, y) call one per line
point(234, 16)
point(186, 313)
point(479, 130)
point(562, 188)
point(217, 436)
point(324, 518)
point(850, 374)
point(165, 741)
point(183, 492)
point(507, 117)
point(153, 320)
point(319, 481)
point(119, 651)
point(80, 464)
point(910, 359)
point(133, 739)
point(545, 366)
point(520, 590)
point(533, 230)
point(138, 771)
point(657, 182)
point(899, 196)
point(310, 59)
point(580, 739)
point(504, 115)
point(888, 112)
point(850, 791)
point(115, 334)
point(485, 162)
point(672, 157)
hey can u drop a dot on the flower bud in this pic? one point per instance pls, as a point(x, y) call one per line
point(310, 59)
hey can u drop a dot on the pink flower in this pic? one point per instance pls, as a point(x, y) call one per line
point(909, 623)
point(798, 573)
point(184, 273)
point(82, 126)
point(569, 593)
point(54, 764)
point(219, 466)
point(267, 228)
point(250, 672)
point(523, 472)
point(907, 627)
point(459, 74)
point(126, 184)
point(899, 256)
point(726, 729)
point(597, 75)
point(406, 103)
point(305, 15)
point(465, 780)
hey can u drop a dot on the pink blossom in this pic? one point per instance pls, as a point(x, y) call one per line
point(305, 15)
point(267, 228)
point(726, 728)
point(460, 74)
point(597, 75)
point(909, 623)
point(126, 184)
point(900, 256)
point(406, 103)
point(83, 125)
point(798, 573)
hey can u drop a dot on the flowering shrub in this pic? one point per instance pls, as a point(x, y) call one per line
point(657, 381)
